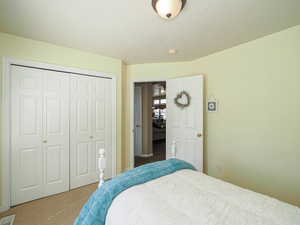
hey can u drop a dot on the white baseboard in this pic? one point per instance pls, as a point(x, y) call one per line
point(3, 209)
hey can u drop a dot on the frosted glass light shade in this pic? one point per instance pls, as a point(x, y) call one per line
point(168, 9)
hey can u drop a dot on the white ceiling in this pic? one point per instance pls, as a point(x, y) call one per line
point(130, 30)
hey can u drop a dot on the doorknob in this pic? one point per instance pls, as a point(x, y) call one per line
point(137, 125)
point(91, 137)
point(45, 141)
point(199, 135)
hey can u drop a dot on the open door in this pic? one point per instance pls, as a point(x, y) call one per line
point(185, 124)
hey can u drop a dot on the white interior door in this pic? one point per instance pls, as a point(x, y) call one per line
point(39, 133)
point(91, 122)
point(138, 120)
point(185, 125)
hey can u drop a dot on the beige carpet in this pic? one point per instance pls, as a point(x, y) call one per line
point(60, 209)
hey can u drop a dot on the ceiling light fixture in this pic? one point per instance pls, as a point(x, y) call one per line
point(168, 9)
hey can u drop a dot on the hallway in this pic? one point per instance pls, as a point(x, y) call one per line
point(159, 153)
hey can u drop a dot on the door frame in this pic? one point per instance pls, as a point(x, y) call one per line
point(131, 114)
point(139, 104)
point(6, 117)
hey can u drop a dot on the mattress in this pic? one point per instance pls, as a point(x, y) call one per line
point(188, 197)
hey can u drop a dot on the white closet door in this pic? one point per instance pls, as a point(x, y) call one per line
point(90, 127)
point(56, 132)
point(80, 130)
point(40, 133)
point(102, 125)
point(26, 125)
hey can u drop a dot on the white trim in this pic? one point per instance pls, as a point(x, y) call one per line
point(3, 209)
point(5, 133)
point(5, 136)
point(114, 126)
point(39, 65)
point(131, 114)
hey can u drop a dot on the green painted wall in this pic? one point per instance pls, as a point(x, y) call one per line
point(254, 139)
point(26, 49)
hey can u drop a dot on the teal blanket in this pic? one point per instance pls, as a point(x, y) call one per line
point(95, 210)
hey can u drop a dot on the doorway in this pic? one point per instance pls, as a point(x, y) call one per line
point(149, 122)
point(184, 124)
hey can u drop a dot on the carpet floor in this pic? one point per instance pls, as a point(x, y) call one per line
point(60, 209)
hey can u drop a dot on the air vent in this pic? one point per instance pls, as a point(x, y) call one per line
point(8, 220)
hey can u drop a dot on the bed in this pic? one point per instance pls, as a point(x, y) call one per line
point(181, 196)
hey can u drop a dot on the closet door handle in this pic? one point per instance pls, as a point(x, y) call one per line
point(45, 141)
point(91, 137)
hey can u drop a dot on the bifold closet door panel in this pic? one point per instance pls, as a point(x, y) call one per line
point(91, 119)
point(102, 125)
point(26, 136)
point(80, 131)
point(39, 133)
point(56, 132)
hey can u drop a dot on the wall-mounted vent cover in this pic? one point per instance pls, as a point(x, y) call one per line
point(8, 220)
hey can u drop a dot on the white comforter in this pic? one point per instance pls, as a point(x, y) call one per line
point(192, 198)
